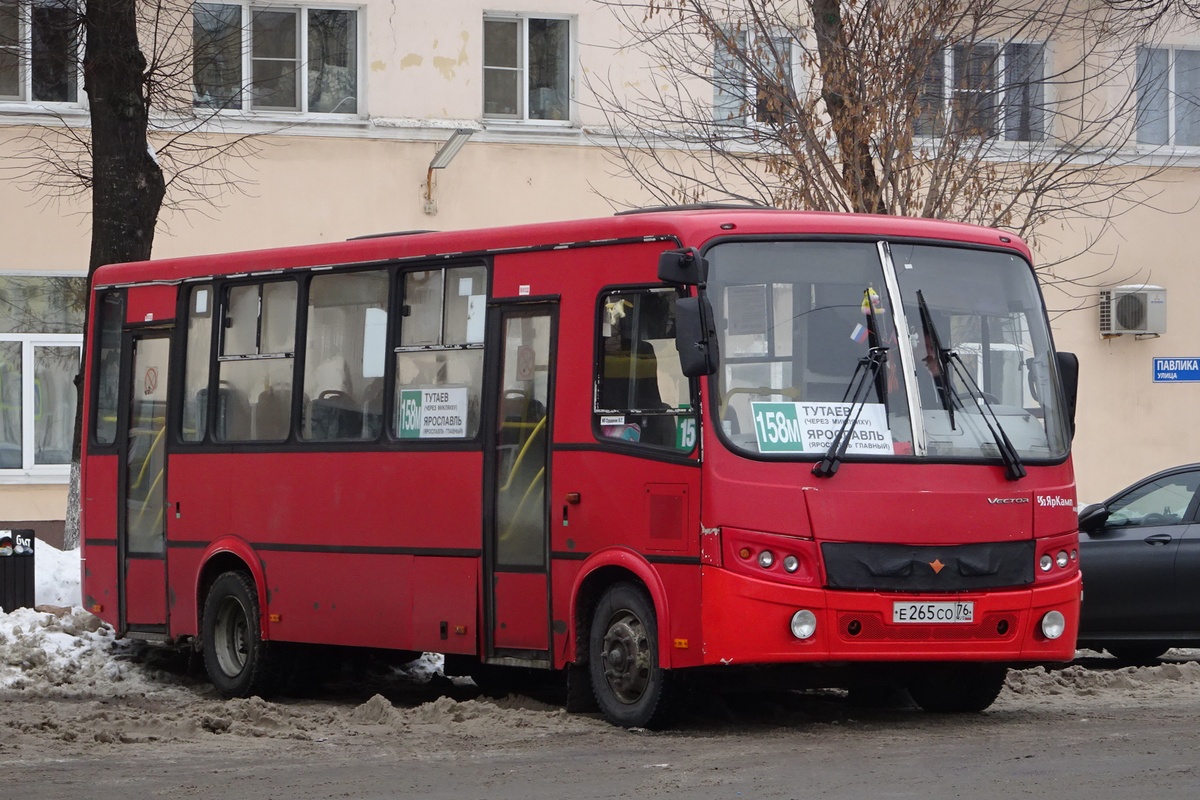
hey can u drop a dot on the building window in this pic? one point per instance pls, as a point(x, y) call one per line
point(273, 59)
point(752, 80)
point(41, 324)
point(1168, 96)
point(986, 90)
point(527, 69)
point(39, 51)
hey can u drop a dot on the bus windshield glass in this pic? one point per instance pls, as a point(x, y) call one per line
point(904, 350)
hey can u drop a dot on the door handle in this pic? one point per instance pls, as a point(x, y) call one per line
point(1158, 538)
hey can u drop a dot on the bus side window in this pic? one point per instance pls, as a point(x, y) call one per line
point(440, 356)
point(344, 355)
point(196, 364)
point(642, 395)
point(112, 314)
point(255, 362)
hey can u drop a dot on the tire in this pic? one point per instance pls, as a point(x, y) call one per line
point(631, 688)
point(236, 657)
point(957, 688)
point(1134, 653)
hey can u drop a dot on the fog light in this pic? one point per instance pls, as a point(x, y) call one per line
point(1053, 624)
point(791, 563)
point(765, 559)
point(804, 624)
point(1062, 559)
point(1046, 563)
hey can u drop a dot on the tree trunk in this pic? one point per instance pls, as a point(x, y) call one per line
point(127, 183)
point(859, 178)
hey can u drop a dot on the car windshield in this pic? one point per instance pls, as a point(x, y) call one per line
point(810, 337)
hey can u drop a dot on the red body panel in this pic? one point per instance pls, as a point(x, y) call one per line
point(147, 304)
point(98, 488)
point(145, 592)
point(99, 570)
point(516, 627)
point(339, 540)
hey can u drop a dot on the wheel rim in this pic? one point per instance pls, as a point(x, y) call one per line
point(626, 657)
point(232, 637)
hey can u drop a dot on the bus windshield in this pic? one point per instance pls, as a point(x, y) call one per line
point(904, 350)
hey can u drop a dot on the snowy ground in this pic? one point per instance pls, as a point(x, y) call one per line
point(61, 651)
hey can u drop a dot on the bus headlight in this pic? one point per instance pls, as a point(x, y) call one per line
point(791, 563)
point(1046, 562)
point(1053, 624)
point(1062, 559)
point(804, 624)
point(765, 559)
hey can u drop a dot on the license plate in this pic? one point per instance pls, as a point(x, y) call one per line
point(907, 611)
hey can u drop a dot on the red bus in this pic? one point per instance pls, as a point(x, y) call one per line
point(628, 451)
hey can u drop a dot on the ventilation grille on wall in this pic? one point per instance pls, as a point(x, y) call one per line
point(1133, 309)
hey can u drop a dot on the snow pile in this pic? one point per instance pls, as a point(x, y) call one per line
point(1078, 680)
point(55, 647)
point(56, 576)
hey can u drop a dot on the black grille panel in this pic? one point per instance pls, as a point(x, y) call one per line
point(937, 568)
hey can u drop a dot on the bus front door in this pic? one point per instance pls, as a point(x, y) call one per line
point(141, 529)
point(517, 556)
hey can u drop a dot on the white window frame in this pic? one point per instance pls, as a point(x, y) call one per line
point(247, 61)
point(24, 48)
point(749, 86)
point(949, 91)
point(1172, 95)
point(523, 68)
point(29, 472)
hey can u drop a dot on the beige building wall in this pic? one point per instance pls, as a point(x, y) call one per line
point(326, 180)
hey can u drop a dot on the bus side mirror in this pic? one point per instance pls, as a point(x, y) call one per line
point(696, 336)
point(1068, 373)
point(684, 267)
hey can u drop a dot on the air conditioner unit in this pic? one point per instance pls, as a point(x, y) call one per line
point(1137, 309)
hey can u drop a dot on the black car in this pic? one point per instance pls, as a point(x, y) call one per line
point(1140, 556)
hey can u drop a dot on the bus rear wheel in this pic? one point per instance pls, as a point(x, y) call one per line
point(631, 687)
point(957, 688)
point(236, 656)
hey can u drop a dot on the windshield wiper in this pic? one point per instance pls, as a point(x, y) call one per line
point(866, 375)
point(948, 359)
point(939, 356)
point(1014, 470)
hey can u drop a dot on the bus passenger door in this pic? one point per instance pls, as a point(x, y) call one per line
point(516, 581)
point(141, 528)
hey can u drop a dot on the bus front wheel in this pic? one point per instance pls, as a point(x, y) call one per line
point(235, 654)
point(631, 687)
point(957, 688)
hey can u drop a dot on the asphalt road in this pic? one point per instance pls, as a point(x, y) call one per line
point(1095, 732)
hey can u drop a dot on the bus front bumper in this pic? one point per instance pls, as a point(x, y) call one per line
point(749, 621)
